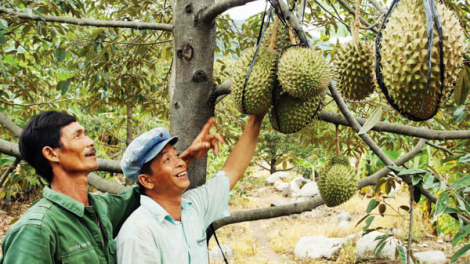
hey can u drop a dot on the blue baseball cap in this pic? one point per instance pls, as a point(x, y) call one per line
point(143, 149)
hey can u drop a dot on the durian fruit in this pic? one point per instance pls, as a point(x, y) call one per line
point(258, 91)
point(303, 72)
point(354, 69)
point(290, 114)
point(281, 32)
point(405, 58)
point(338, 183)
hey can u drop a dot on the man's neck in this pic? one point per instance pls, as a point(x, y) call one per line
point(74, 186)
point(171, 204)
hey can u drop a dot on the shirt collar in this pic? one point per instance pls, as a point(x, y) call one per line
point(158, 211)
point(64, 201)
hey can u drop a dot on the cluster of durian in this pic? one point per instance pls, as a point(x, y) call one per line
point(405, 58)
point(338, 182)
point(302, 75)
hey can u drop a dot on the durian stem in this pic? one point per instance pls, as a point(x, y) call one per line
point(356, 25)
point(273, 39)
point(292, 37)
point(338, 151)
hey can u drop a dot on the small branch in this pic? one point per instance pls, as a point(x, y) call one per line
point(357, 127)
point(33, 104)
point(353, 13)
point(294, 22)
point(209, 14)
point(439, 147)
point(378, 6)
point(8, 124)
point(11, 168)
point(129, 43)
point(221, 91)
point(90, 22)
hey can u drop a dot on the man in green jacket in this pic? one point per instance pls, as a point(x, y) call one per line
point(71, 225)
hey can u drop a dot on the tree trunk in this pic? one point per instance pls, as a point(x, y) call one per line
point(273, 166)
point(191, 106)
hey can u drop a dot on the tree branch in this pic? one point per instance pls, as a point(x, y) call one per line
point(8, 124)
point(12, 149)
point(90, 22)
point(209, 14)
point(105, 185)
point(430, 134)
point(297, 208)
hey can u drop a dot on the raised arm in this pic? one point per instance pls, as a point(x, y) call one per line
point(242, 153)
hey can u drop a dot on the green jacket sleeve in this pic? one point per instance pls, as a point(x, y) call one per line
point(32, 244)
point(121, 206)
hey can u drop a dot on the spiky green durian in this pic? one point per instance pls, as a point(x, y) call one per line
point(290, 114)
point(281, 32)
point(303, 72)
point(354, 69)
point(258, 91)
point(405, 58)
point(337, 184)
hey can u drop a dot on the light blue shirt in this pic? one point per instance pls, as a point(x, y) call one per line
point(151, 235)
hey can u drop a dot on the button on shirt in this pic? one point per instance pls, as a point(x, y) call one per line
point(59, 229)
point(151, 235)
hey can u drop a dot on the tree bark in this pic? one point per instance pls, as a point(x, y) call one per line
point(191, 107)
point(273, 166)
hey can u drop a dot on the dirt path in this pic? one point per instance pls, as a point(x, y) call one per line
point(262, 240)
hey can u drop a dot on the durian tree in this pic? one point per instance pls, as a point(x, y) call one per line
point(127, 66)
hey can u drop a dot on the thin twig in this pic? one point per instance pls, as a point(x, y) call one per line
point(129, 43)
point(33, 104)
point(11, 168)
point(439, 147)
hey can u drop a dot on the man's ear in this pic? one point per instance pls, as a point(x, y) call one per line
point(50, 154)
point(146, 181)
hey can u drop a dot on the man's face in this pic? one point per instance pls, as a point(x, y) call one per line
point(169, 171)
point(77, 154)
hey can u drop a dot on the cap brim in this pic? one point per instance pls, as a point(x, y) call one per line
point(159, 147)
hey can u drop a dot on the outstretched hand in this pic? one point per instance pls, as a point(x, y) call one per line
point(202, 144)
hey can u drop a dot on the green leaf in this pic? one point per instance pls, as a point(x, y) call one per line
point(371, 206)
point(63, 86)
point(463, 86)
point(415, 179)
point(441, 204)
point(2, 38)
point(465, 159)
point(428, 181)
point(404, 207)
point(411, 172)
point(463, 232)
point(416, 194)
point(402, 254)
point(462, 182)
point(395, 168)
point(382, 209)
point(362, 219)
point(3, 24)
point(453, 157)
point(380, 247)
point(459, 114)
point(37, 12)
point(368, 222)
point(460, 253)
point(371, 121)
